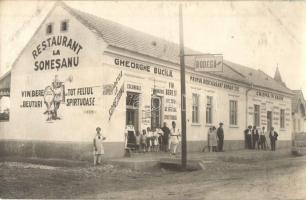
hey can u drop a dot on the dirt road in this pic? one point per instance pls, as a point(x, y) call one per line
point(275, 179)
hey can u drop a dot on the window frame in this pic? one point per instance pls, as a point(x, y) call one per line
point(233, 111)
point(47, 28)
point(209, 110)
point(282, 118)
point(67, 25)
point(195, 108)
point(294, 125)
point(256, 113)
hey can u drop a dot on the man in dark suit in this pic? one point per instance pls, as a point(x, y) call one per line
point(166, 137)
point(273, 137)
point(248, 139)
point(220, 134)
point(255, 137)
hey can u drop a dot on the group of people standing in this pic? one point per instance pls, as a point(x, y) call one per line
point(168, 139)
point(215, 138)
point(153, 140)
point(258, 139)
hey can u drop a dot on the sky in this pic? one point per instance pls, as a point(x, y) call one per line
point(257, 34)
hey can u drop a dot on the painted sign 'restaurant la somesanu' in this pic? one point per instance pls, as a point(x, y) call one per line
point(58, 63)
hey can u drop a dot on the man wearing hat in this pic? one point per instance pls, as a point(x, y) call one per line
point(248, 137)
point(273, 137)
point(220, 134)
point(255, 137)
point(98, 146)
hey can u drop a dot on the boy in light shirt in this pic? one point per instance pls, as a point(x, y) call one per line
point(174, 138)
point(149, 139)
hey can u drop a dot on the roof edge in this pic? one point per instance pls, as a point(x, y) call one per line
point(80, 19)
point(246, 82)
point(58, 3)
point(8, 73)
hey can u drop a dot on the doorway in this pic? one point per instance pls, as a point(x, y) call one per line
point(156, 112)
point(132, 110)
point(269, 120)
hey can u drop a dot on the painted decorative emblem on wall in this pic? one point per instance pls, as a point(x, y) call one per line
point(53, 96)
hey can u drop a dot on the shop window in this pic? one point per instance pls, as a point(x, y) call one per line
point(209, 109)
point(49, 28)
point(4, 108)
point(195, 108)
point(5, 115)
point(233, 112)
point(256, 115)
point(64, 26)
point(282, 118)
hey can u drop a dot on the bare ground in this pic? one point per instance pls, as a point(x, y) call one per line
point(283, 178)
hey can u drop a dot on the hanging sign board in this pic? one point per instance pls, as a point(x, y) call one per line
point(209, 63)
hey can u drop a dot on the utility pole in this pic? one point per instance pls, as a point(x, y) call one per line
point(183, 91)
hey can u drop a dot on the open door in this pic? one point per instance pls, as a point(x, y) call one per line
point(269, 120)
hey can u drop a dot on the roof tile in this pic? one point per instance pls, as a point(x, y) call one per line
point(120, 36)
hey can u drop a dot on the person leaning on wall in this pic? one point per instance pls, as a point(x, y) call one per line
point(98, 146)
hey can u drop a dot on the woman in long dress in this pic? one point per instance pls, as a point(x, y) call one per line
point(212, 139)
point(98, 146)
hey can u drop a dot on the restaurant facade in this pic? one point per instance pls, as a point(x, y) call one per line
point(79, 71)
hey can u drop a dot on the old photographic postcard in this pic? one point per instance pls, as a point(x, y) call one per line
point(152, 99)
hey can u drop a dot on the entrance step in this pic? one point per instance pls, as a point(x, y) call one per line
point(175, 164)
point(299, 151)
point(135, 164)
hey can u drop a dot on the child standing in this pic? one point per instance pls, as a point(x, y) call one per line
point(155, 141)
point(137, 145)
point(98, 146)
point(149, 139)
point(143, 141)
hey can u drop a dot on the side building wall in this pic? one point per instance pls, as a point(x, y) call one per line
point(33, 129)
point(273, 110)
